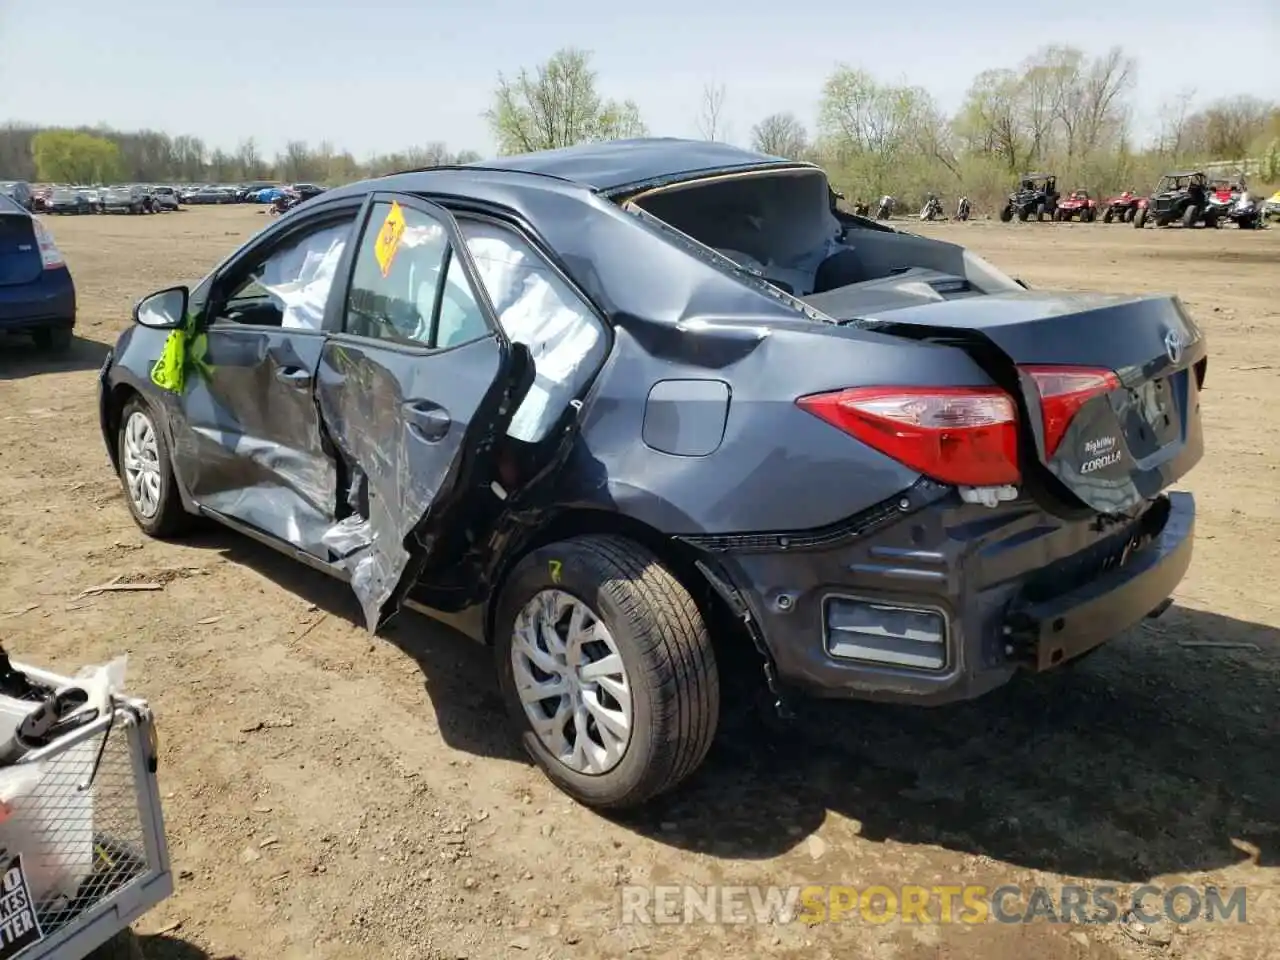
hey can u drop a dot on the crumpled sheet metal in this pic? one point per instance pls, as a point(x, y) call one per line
point(367, 402)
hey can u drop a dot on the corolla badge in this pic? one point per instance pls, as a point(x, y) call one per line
point(1173, 345)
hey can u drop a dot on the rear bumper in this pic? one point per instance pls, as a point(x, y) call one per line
point(48, 302)
point(1012, 589)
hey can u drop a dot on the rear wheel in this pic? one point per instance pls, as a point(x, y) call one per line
point(1133, 212)
point(607, 669)
point(146, 471)
point(1211, 220)
point(1023, 214)
point(1041, 209)
point(1109, 215)
point(1140, 218)
point(53, 339)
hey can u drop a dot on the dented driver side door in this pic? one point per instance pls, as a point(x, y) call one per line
point(413, 390)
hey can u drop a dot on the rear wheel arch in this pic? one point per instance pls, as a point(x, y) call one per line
point(728, 633)
point(118, 397)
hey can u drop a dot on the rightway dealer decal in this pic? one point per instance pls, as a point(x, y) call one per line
point(19, 926)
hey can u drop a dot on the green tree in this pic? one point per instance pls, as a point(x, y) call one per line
point(557, 105)
point(68, 156)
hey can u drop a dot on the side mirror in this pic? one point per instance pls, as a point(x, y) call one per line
point(163, 310)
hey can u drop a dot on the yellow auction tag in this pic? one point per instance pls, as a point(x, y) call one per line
point(388, 242)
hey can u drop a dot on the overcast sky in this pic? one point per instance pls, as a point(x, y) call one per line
point(378, 75)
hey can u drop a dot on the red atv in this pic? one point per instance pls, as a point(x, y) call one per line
point(1124, 208)
point(1077, 203)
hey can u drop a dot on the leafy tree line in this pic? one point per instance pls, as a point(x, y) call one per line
point(1060, 110)
point(103, 155)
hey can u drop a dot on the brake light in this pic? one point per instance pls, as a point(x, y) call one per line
point(1063, 391)
point(967, 436)
point(50, 255)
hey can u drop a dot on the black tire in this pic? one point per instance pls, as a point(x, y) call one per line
point(53, 339)
point(1211, 220)
point(1133, 212)
point(1041, 210)
point(170, 518)
point(1110, 215)
point(1190, 215)
point(1006, 214)
point(666, 653)
point(1023, 214)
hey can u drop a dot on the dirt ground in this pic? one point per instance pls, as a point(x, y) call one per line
point(331, 795)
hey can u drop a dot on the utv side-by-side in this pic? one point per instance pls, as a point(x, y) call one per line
point(1180, 196)
point(1037, 194)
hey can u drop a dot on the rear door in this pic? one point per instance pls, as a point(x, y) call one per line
point(414, 391)
point(19, 253)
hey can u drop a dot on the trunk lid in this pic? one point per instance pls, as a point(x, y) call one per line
point(1124, 444)
point(19, 252)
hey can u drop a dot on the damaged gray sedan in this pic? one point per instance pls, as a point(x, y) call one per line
point(594, 406)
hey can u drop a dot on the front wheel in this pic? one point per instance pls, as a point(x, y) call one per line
point(1006, 214)
point(607, 670)
point(1190, 215)
point(146, 472)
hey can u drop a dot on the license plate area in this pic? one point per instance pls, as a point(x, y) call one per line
point(1153, 416)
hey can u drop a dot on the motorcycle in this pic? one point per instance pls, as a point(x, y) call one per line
point(962, 209)
point(932, 209)
point(885, 210)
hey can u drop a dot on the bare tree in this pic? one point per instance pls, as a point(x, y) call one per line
point(710, 115)
point(1175, 114)
point(781, 135)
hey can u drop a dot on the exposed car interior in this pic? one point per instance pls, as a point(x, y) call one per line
point(780, 225)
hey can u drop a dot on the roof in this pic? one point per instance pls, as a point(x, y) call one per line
point(612, 164)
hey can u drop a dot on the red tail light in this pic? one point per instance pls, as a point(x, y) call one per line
point(1063, 391)
point(966, 436)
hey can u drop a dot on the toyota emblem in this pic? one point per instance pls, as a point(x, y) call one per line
point(1173, 345)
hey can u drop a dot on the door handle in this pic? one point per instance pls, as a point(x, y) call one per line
point(428, 421)
point(294, 376)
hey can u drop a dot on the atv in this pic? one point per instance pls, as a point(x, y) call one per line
point(1077, 204)
point(1180, 196)
point(1037, 193)
point(1124, 208)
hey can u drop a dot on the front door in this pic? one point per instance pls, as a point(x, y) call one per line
point(252, 449)
point(414, 391)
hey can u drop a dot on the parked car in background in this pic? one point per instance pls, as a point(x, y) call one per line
point(94, 196)
point(305, 191)
point(165, 198)
point(213, 194)
point(125, 199)
point(560, 401)
point(19, 191)
point(247, 192)
point(68, 200)
point(268, 194)
point(40, 198)
point(37, 296)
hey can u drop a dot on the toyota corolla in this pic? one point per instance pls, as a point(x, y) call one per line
point(593, 406)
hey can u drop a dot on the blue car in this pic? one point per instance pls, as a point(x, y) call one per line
point(37, 295)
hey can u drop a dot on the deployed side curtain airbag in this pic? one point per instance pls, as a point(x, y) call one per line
point(538, 308)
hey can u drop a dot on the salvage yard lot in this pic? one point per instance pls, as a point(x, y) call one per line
point(333, 795)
